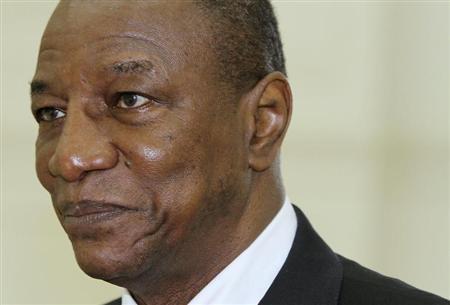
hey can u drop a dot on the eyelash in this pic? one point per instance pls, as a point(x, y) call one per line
point(41, 112)
point(148, 100)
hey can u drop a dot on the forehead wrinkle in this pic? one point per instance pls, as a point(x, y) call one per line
point(131, 35)
point(116, 41)
point(111, 43)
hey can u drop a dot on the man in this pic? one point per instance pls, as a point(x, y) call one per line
point(160, 125)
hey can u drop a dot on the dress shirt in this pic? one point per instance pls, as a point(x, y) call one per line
point(248, 277)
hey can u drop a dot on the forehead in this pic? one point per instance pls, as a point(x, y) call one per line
point(95, 16)
point(85, 39)
point(170, 28)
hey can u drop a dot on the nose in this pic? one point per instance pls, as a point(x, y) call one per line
point(81, 148)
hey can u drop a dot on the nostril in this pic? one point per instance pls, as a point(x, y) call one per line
point(81, 176)
point(127, 163)
point(52, 166)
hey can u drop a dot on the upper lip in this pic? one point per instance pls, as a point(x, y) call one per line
point(88, 207)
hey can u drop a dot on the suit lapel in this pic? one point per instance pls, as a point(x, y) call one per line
point(312, 273)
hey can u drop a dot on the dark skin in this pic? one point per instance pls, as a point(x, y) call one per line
point(158, 175)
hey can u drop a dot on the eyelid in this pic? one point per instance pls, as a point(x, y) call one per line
point(47, 100)
point(117, 96)
point(37, 113)
point(122, 94)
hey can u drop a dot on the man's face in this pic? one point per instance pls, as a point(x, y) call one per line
point(143, 157)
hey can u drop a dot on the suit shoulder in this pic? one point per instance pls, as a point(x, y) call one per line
point(361, 286)
point(115, 302)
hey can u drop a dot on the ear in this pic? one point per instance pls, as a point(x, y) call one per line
point(268, 108)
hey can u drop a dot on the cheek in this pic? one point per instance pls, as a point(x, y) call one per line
point(161, 157)
point(174, 169)
point(168, 170)
point(43, 154)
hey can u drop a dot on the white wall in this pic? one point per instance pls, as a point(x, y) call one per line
point(366, 156)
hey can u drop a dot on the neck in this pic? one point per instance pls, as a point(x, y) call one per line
point(161, 285)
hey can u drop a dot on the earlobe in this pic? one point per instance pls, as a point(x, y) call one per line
point(272, 108)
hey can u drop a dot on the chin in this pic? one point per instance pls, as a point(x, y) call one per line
point(109, 262)
point(122, 247)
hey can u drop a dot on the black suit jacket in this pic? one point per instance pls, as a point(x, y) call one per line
point(314, 275)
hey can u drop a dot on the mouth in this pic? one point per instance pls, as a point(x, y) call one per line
point(92, 212)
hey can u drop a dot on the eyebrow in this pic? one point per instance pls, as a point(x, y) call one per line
point(133, 66)
point(121, 67)
point(38, 87)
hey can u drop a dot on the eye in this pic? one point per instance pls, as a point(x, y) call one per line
point(129, 100)
point(48, 114)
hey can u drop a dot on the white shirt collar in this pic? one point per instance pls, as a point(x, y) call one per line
point(248, 277)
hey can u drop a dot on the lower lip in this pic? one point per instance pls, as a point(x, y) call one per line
point(95, 218)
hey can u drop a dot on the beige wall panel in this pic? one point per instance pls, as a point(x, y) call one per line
point(366, 156)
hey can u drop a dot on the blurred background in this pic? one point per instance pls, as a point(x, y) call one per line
point(366, 157)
